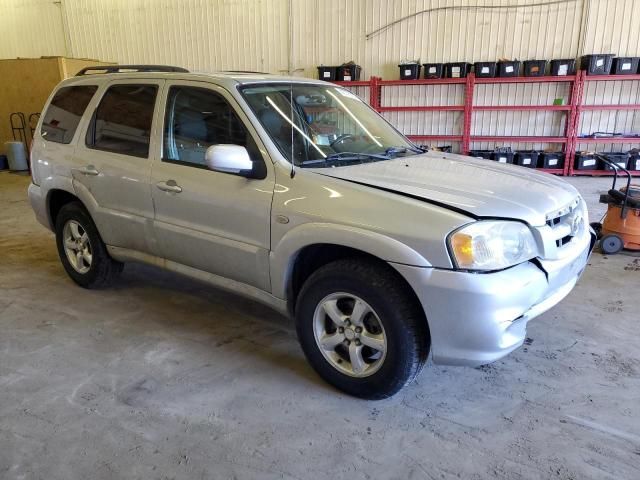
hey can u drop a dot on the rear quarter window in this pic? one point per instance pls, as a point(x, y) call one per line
point(65, 111)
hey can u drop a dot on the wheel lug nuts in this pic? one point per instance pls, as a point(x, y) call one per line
point(341, 330)
point(358, 343)
point(358, 329)
point(347, 343)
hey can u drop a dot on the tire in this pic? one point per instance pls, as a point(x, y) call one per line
point(611, 244)
point(76, 232)
point(395, 322)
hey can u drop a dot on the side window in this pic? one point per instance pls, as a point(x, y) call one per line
point(122, 121)
point(65, 111)
point(197, 118)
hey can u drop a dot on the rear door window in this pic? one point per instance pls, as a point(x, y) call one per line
point(122, 121)
point(65, 111)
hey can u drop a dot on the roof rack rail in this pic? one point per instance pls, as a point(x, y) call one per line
point(244, 71)
point(129, 68)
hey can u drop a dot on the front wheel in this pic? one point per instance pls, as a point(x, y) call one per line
point(361, 329)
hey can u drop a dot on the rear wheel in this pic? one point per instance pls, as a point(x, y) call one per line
point(81, 250)
point(611, 244)
point(360, 328)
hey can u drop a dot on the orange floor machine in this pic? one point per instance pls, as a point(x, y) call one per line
point(620, 227)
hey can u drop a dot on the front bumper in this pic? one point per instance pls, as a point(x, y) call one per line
point(477, 318)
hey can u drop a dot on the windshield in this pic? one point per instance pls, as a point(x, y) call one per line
point(324, 126)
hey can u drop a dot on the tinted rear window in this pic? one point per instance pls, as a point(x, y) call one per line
point(122, 122)
point(65, 111)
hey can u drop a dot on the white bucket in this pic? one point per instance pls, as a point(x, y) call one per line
point(17, 156)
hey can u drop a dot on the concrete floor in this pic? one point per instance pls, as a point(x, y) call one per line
point(164, 378)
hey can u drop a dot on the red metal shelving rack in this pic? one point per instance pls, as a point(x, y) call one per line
point(580, 107)
point(573, 110)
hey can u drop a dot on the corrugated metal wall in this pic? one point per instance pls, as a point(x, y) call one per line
point(31, 28)
point(296, 35)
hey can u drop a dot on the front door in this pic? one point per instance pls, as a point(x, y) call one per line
point(211, 221)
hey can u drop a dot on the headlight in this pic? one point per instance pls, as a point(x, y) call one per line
point(492, 245)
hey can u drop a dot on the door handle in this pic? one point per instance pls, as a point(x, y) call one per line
point(169, 186)
point(89, 170)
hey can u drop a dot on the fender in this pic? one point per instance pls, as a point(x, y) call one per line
point(55, 182)
point(284, 254)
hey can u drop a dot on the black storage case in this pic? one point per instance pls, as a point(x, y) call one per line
point(619, 158)
point(535, 68)
point(348, 73)
point(484, 69)
point(456, 69)
point(502, 157)
point(526, 158)
point(561, 67)
point(327, 73)
point(509, 69)
point(599, 64)
point(634, 161)
point(485, 154)
point(433, 70)
point(585, 161)
point(625, 66)
point(551, 160)
point(409, 71)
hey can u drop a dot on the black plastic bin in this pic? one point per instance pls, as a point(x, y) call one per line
point(634, 161)
point(409, 71)
point(551, 160)
point(585, 161)
point(327, 73)
point(4, 163)
point(599, 64)
point(509, 69)
point(502, 157)
point(484, 69)
point(348, 73)
point(619, 158)
point(486, 154)
point(526, 158)
point(561, 67)
point(456, 69)
point(625, 66)
point(433, 70)
point(535, 68)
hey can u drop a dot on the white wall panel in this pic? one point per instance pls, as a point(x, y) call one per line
point(31, 28)
point(202, 35)
point(297, 35)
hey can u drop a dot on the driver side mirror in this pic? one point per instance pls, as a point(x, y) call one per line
point(232, 159)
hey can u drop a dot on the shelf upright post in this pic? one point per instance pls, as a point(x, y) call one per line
point(375, 94)
point(468, 111)
point(573, 121)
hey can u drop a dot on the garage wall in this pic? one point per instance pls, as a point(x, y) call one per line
point(197, 34)
point(296, 35)
point(31, 28)
point(256, 34)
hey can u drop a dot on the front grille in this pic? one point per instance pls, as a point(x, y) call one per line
point(561, 227)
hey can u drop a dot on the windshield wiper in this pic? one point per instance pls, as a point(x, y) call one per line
point(396, 150)
point(347, 158)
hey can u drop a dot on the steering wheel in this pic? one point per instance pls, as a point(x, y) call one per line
point(342, 138)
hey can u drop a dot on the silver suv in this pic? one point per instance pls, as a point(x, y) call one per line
point(296, 193)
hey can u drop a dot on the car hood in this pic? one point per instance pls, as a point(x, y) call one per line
point(480, 188)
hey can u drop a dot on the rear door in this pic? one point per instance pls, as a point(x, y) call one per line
point(211, 221)
point(114, 165)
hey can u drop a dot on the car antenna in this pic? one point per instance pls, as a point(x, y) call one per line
point(293, 163)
